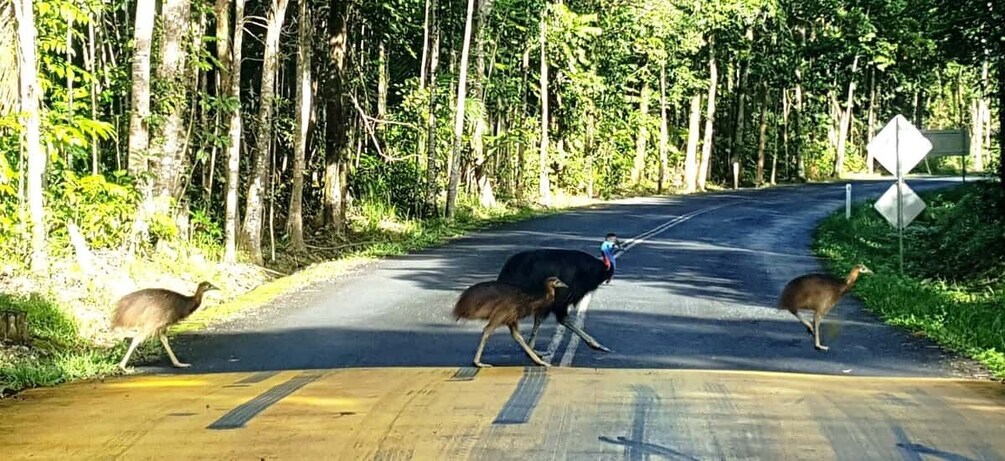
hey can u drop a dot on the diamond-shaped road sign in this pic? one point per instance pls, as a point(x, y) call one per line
point(911, 208)
point(913, 146)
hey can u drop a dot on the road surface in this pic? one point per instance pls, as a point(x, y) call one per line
point(371, 366)
point(697, 290)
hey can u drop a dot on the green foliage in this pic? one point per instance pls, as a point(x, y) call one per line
point(103, 209)
point(397, 183)
point(953, 289)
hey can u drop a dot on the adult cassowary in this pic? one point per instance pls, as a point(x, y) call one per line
point(581, 272)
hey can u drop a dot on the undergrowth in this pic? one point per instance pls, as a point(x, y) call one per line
point(953, 287)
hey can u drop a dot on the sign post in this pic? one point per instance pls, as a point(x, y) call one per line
point(899, 147)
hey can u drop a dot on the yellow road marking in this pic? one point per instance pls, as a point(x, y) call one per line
point(421, 413)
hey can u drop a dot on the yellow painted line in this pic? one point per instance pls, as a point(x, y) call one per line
point(424, 413)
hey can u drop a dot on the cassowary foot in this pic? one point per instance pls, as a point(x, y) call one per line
point(598, 347)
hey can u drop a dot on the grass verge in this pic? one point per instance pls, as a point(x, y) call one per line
point(953, 287)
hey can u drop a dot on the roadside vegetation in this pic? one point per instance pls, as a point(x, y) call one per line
point(160, 143)
point(953, 287)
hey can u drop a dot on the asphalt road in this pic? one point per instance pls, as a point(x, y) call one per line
point(371, 366)
point(696, 290)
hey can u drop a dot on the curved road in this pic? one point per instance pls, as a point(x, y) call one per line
point(370, 365)
point(697, 290)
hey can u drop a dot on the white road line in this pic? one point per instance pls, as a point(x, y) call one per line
point(556, 339)
point(570, 350)
point(580, 308)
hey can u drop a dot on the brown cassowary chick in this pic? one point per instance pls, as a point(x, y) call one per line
point(502, 303)
point(146, 312)
point(818, 293)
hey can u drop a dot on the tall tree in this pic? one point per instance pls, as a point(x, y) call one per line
point(303, 113)
point(639, 164)
point(664, 130)
point(255, 206)
point(462, 81)
point(693, 136)
point(167, 143)
point(706, 146)
point(234, 138)
point(432, 189)
point(31, 121)
point(845, 121)
point(139, 134)
point(336, 119)
point(544, 185)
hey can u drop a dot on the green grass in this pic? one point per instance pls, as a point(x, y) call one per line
point(953, 289)
point(57, 354)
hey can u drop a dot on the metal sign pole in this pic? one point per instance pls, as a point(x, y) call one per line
point(900, 197)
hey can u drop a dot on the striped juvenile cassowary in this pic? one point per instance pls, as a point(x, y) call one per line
point(581, 272)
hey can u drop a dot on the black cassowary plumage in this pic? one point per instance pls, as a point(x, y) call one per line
point(582, 273)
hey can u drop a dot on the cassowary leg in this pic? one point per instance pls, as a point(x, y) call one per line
point(538, 318)
point(481, 346)
point(816, 332)
point(515, 331)
point(587, 338)
point(132, 347)
point(167, 347)
point(804, 322)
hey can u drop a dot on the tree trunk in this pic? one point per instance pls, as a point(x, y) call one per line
point(336, 120)
point(303, 113)
point(462, 81)
point(91, 66)
point(486, 196)
point(139, 135)
point(762, 137)
point(741, 105)
point(251, 229)
point(382, 87)
point(873, 95)
point(234, 138)
point(1001, 125)
point(639, 165)
point(31, 121)
point(846, 115)
point(544, 186)
point(786, 109)
point(428, 15)
point(167, 143)
point(521, 148)
point(431, 191)
point(664, 130)
point(693, 135)
point(706, 147)
point(980, 117)
point(798, 122)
